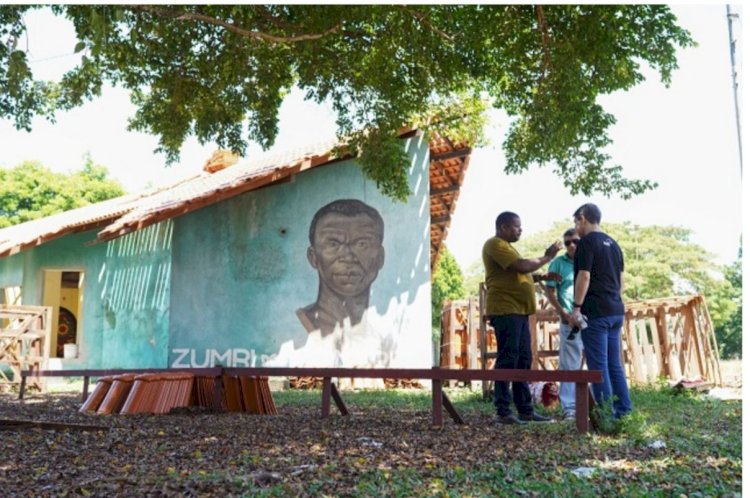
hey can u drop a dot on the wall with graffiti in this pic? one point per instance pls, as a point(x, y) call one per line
point(320, 271)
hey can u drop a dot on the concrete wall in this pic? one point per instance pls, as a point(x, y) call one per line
point(240, 272)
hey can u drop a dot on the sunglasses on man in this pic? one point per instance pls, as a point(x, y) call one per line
point(571, 241)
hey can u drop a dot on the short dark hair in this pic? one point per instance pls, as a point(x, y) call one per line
point(590, 212)
point(570, 232)
point(347, 207)
point(504, 218)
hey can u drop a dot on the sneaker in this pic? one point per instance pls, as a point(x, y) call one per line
point(569, 416)
point(534, 417)
point(509, 419)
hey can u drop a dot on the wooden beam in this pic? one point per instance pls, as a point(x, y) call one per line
point(8, 424)
point(509, 375)
point(452, 410)
point(445, 190)
point(458, 153)
point(339, 401)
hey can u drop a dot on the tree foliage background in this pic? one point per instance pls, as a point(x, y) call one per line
point(447, 283)
point(220, 72)
point(30, 191)
point(726, 312)
point(660, 261)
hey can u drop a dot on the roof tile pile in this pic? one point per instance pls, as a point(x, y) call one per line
point(160, 393)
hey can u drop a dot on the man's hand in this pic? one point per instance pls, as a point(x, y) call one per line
point(565, 317)
point(574, 319)
point(553, 250)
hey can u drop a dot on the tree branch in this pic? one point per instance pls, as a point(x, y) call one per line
point(258, 35)
point(424, 21)
point(268, 16)
point(545, 39)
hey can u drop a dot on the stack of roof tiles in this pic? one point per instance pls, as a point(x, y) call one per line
point(160, 393)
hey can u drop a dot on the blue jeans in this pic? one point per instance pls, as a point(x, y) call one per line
point(603, 346)
point(513, 352)
point(571, 353)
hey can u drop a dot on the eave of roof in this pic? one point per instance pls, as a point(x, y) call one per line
point(123, 215)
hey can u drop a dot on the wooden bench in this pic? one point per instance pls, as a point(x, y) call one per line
point(581, 378)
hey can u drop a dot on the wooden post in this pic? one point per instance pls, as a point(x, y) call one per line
point(23, 386)
point(85, 393)
point(582, 407)
point(711, 343)
point(483, 335)
point(471, 332)
point(325, 409)
point(666, 343)
point(437, 403)
point(534, 342)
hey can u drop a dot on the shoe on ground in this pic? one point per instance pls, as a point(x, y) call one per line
point(509, 419)
point(534, 417)
point(569, 416)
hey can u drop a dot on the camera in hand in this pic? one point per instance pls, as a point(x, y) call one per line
point(575, 330)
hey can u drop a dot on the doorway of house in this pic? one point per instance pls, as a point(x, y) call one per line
point(63, 291)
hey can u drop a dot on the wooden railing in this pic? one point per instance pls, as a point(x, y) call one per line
point(581, 378)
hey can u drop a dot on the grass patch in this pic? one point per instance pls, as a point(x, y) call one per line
point(671, 445)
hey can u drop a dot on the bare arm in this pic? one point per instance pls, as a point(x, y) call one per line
point(552, 297)
point(529, 265)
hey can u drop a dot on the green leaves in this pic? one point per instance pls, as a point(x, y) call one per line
point(219, 72)
point(30, 191)
point(447, 283)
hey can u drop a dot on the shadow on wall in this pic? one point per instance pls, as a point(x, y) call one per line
point(135, 274)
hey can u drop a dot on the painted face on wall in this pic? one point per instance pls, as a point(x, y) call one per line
point(347, 252)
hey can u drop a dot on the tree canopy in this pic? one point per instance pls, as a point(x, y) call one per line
point(660, 261)
point(30, 191)
point(220, 72)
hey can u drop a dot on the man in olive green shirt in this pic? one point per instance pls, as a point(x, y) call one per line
point(510, 301)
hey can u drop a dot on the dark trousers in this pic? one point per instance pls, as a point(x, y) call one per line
point(514, 352)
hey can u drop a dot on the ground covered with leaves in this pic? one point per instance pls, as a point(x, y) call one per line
point(674, 445)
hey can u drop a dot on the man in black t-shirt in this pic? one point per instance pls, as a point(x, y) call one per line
point(598, 268)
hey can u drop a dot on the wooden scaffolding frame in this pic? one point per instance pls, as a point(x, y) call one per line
point(671, 338)
point(25, 333)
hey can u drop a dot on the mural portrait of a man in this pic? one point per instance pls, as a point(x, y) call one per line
point(346, 249)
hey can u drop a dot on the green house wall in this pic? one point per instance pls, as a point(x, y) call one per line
point(125, 322)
